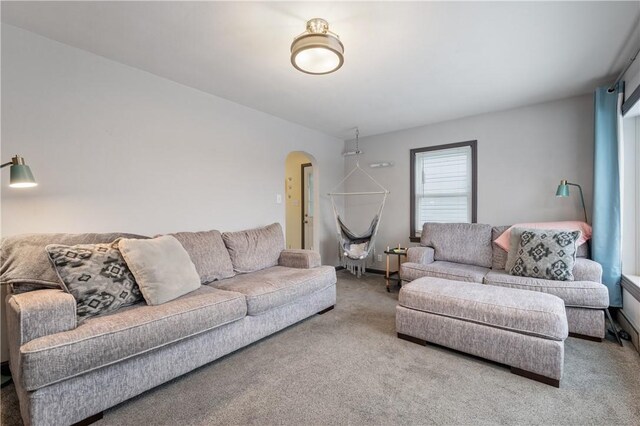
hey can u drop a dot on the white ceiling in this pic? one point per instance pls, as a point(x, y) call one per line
point(406, 64)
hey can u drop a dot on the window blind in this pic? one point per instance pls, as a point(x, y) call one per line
point(443, 186)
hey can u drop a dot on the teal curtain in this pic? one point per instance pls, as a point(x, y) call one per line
point(607, 207)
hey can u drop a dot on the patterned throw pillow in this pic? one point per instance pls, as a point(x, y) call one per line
point(96, 275)
point(548, 254)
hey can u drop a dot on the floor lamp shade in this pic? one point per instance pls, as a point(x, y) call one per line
point(20, 173)
point(563, 190)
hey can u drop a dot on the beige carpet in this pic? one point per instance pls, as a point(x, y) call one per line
point(348, 367)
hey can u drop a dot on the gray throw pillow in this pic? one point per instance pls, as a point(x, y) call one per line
point(547, 254)
point(96, 276)
point(162, 267)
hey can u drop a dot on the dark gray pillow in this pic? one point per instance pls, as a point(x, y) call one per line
point(96, 275)
point(25, 264)
point(548, 254)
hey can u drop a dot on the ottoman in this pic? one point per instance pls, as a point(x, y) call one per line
point(522, 329)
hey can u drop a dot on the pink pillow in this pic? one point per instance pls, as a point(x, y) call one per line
point(571, 225)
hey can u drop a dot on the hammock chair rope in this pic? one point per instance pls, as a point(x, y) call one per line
point(355, 249)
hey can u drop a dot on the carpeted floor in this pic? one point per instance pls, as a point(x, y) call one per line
point(348, 366)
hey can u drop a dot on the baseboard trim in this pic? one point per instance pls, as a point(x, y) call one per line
point(373, 271)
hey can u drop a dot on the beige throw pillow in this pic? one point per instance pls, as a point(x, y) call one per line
point(162, 268)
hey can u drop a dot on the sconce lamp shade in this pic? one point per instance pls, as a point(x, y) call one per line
point(20, 174)
point(563, 189)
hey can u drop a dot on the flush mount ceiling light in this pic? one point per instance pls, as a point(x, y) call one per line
point(317, 50)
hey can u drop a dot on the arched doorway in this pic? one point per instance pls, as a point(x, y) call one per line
point(301, 201)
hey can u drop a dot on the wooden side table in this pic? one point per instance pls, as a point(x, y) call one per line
point(399, 252)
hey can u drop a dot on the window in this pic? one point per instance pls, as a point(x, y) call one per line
point(443, 185)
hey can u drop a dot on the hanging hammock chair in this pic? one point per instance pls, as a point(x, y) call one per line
point(355, 249)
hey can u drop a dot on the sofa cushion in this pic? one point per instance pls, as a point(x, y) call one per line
point(26, 266)
point(255, 249)
point(303, 259)
point(278, 285)
point(499, 259)
point(547, 254)
point(97, 277)
point(523, 312)
point(208, 253)
point(441, 269)
point(468, 243)
point(501, 255)
point(162, 267)
point(585, 294)
point(133, 330)
point(504, 240)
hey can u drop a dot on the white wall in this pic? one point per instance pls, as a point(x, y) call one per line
point(116, 148)
point(522, 155)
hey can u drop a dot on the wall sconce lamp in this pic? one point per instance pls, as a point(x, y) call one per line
point(21, 176)
point(563, 191)
point(381, 164)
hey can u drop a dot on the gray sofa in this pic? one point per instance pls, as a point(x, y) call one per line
point(466, 252)
point(65, 372)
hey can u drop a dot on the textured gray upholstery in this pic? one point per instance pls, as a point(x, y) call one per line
point(208, 253)
point(536, 314)
point(499, 254)
point(75, 399)
point(587, 270)
point(585, 294)
point(529, 353)
point(272, 287)
point(588, 322)
point(26, 266)
point(255, 249)
point(422, 255)
point(441, 269)
point(468, 243)
point(42, 313)
point(65, 372)
point(303, 259)
point(103, 340)
point(583, 250)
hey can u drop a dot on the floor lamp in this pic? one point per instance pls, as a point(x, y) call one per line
point(563, 191)
point(20, 177)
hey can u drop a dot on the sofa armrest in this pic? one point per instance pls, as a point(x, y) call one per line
point(40, 313)
point(301, 259)
point(423, 255)
point(587, 270)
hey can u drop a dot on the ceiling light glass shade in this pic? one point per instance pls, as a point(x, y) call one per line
point(21, 177)
point(317, 51)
